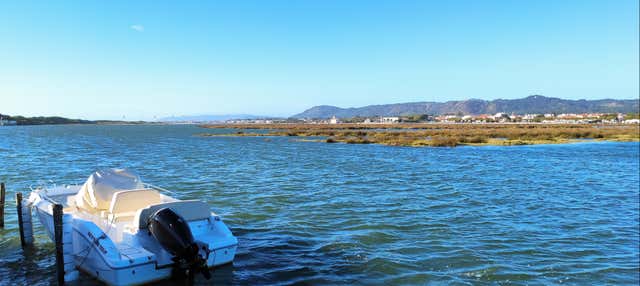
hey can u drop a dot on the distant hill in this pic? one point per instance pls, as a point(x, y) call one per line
point(531, 104)
point(57, 120)
point(42, 120)
point(208, 118)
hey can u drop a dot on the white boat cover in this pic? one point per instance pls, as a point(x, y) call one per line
point(97, 191)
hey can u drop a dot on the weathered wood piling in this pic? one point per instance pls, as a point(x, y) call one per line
point(2, 194)
point(57, 227)
point(24, 221)
point(65, 266)
point(19, 211)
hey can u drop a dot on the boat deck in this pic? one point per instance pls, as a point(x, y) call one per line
point(60, 194)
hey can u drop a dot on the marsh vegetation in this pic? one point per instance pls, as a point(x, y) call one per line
point(440, 135)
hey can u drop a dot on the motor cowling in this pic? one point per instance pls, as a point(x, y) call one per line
point(174, 235)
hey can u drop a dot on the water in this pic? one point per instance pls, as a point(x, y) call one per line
point(317, 213)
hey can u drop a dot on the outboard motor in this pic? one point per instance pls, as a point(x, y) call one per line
point(174, 235)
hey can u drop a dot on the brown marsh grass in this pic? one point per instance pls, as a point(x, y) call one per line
point(444, 135)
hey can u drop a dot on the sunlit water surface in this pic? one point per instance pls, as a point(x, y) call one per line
point(317, 213)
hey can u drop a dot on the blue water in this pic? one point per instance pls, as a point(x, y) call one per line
point(317, 213)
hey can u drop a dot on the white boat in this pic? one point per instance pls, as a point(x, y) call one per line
point(125, 232)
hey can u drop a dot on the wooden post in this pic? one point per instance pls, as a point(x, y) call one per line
point(57, 226)
point(2, 193)
point(19, 209)
point(24, 221)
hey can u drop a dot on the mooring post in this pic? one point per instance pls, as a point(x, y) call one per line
point(24, 221)
point(2, 193)
point(19, 210)
point(57, 227)
point(62, 225)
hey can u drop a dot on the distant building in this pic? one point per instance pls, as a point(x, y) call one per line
point(334, 120)
point(7, 122)
point(392, 119)
point(447, 118)
point(501, 117)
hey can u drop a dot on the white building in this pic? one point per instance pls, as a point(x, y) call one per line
point(501, 117)
point(392, 119)
point(7, 122)
point(334, 120)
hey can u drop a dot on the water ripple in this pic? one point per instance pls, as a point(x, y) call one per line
point(312, 213)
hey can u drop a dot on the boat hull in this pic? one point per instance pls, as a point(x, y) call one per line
point(135, 259)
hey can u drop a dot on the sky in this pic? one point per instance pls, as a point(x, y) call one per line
point(143, 60)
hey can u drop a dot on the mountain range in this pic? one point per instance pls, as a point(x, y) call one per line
point(529, 105)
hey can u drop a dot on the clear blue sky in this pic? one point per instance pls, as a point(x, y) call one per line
point(146, 59)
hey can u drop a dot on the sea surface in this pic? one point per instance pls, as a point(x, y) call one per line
point(312, 213)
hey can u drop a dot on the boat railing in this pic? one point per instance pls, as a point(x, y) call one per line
point(160, 189)
point(44, 187)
